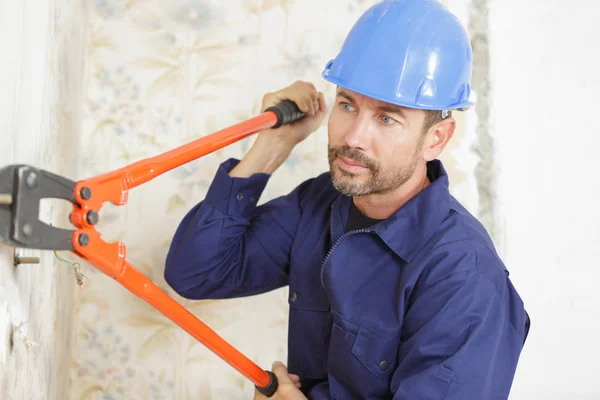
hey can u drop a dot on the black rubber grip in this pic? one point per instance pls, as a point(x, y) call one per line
point(271, 388)
point(287, 112)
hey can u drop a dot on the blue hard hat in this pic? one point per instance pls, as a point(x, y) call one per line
point(412, 53)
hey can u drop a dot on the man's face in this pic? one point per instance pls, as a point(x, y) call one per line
point(374, 147)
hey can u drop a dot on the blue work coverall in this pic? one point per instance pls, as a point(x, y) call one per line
point(418, 306)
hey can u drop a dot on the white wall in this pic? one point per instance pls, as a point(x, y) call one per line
point(545, 106)
point(39, 125)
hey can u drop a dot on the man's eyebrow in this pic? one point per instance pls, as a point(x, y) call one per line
point(392, 109)
point(389, 108)
point(345, 95)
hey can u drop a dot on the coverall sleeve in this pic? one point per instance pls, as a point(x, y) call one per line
point(227, 246)
point(463, 337)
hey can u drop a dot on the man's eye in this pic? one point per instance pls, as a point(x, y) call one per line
point(347, 107)
point(387, 120)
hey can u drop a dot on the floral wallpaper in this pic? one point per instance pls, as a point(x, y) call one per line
point(159, 74)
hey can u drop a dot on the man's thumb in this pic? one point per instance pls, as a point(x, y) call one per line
point(281, 372)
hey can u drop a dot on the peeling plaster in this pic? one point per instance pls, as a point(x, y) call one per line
point(484, 143)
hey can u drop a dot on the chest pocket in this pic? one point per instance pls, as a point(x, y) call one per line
point(360, 364)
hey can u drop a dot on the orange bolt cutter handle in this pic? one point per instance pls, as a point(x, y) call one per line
point(25, 186)
point(110, 259)
point(113, 186)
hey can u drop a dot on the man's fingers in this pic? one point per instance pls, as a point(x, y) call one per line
point(303, 102)
point(307, 99)
point(305, 95)
point(270, 100)
point(315, 100)
point(296, 379)
point(322, 105)
point(281, 372)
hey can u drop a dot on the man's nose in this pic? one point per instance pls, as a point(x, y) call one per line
point(358, 134)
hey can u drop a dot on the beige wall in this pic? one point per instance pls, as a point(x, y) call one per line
point(40, 76)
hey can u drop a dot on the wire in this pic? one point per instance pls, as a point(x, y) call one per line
point(76, 268)
point(62, 259)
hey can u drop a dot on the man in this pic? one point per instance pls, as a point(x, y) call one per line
point(396, 291)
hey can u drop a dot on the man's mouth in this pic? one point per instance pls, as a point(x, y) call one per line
point(350, 165)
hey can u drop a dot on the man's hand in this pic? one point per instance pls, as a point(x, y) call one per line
point(273, 146)
point(288, 385)
point(308, 100)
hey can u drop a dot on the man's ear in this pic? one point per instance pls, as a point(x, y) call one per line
point(438, 137)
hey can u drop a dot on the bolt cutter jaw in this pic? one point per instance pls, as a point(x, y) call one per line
point(22, 187)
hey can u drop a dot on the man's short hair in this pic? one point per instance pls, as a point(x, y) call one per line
point(432, 117)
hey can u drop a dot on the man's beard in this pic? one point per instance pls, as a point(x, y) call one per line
point(378, 181)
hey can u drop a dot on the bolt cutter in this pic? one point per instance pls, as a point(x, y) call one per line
point(23, 186)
